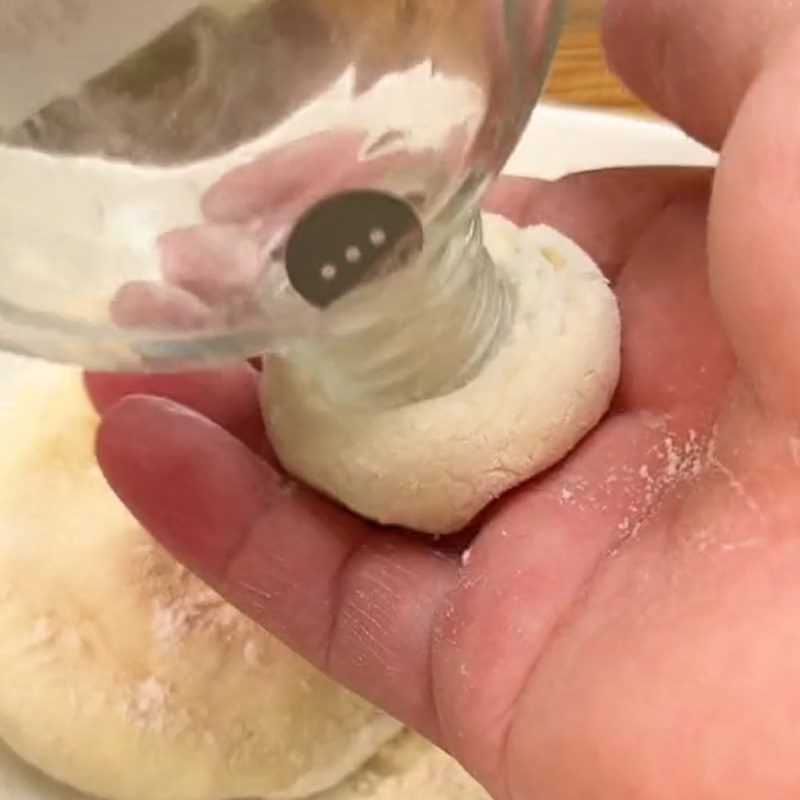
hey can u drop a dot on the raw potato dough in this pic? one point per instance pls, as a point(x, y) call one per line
point(408, 768)
point(434, 465)
point(122, 675)
point(20, 781)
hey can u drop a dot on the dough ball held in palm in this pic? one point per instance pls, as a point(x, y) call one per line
point(432, 460)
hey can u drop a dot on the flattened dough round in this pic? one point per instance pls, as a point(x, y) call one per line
point(122, 675)
point(407, 768)
point(434, 465)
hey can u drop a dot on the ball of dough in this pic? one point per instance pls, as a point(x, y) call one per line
point(122, 674)
point(433, 465)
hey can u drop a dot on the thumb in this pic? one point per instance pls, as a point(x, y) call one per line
point(755, 232)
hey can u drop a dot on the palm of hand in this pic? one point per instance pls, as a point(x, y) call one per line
point(639, 572)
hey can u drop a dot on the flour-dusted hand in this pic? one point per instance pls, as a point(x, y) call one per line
point(625, 626)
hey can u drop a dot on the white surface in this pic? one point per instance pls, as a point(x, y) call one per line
point(559, 140)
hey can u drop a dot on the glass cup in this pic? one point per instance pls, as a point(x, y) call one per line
point(191, 182)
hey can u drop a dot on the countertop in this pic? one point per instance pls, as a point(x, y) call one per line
point(580, 75)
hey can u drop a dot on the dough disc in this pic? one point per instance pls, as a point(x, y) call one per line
point(122, 675)
point(407, 768)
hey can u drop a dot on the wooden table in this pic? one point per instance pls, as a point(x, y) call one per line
point(580, 75)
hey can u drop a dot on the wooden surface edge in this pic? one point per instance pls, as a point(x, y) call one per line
point(580, 75)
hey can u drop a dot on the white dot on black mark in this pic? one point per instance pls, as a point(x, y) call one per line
point(353, 255)
point(378, 237)
point(329, 272)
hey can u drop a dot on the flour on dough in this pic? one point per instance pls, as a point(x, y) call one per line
point(123, 675)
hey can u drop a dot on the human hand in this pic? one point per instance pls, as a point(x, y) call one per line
point(627, 625)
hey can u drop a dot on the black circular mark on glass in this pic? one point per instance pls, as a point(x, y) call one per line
point(349, 238)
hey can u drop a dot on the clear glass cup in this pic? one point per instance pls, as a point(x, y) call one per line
point(157, 159)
